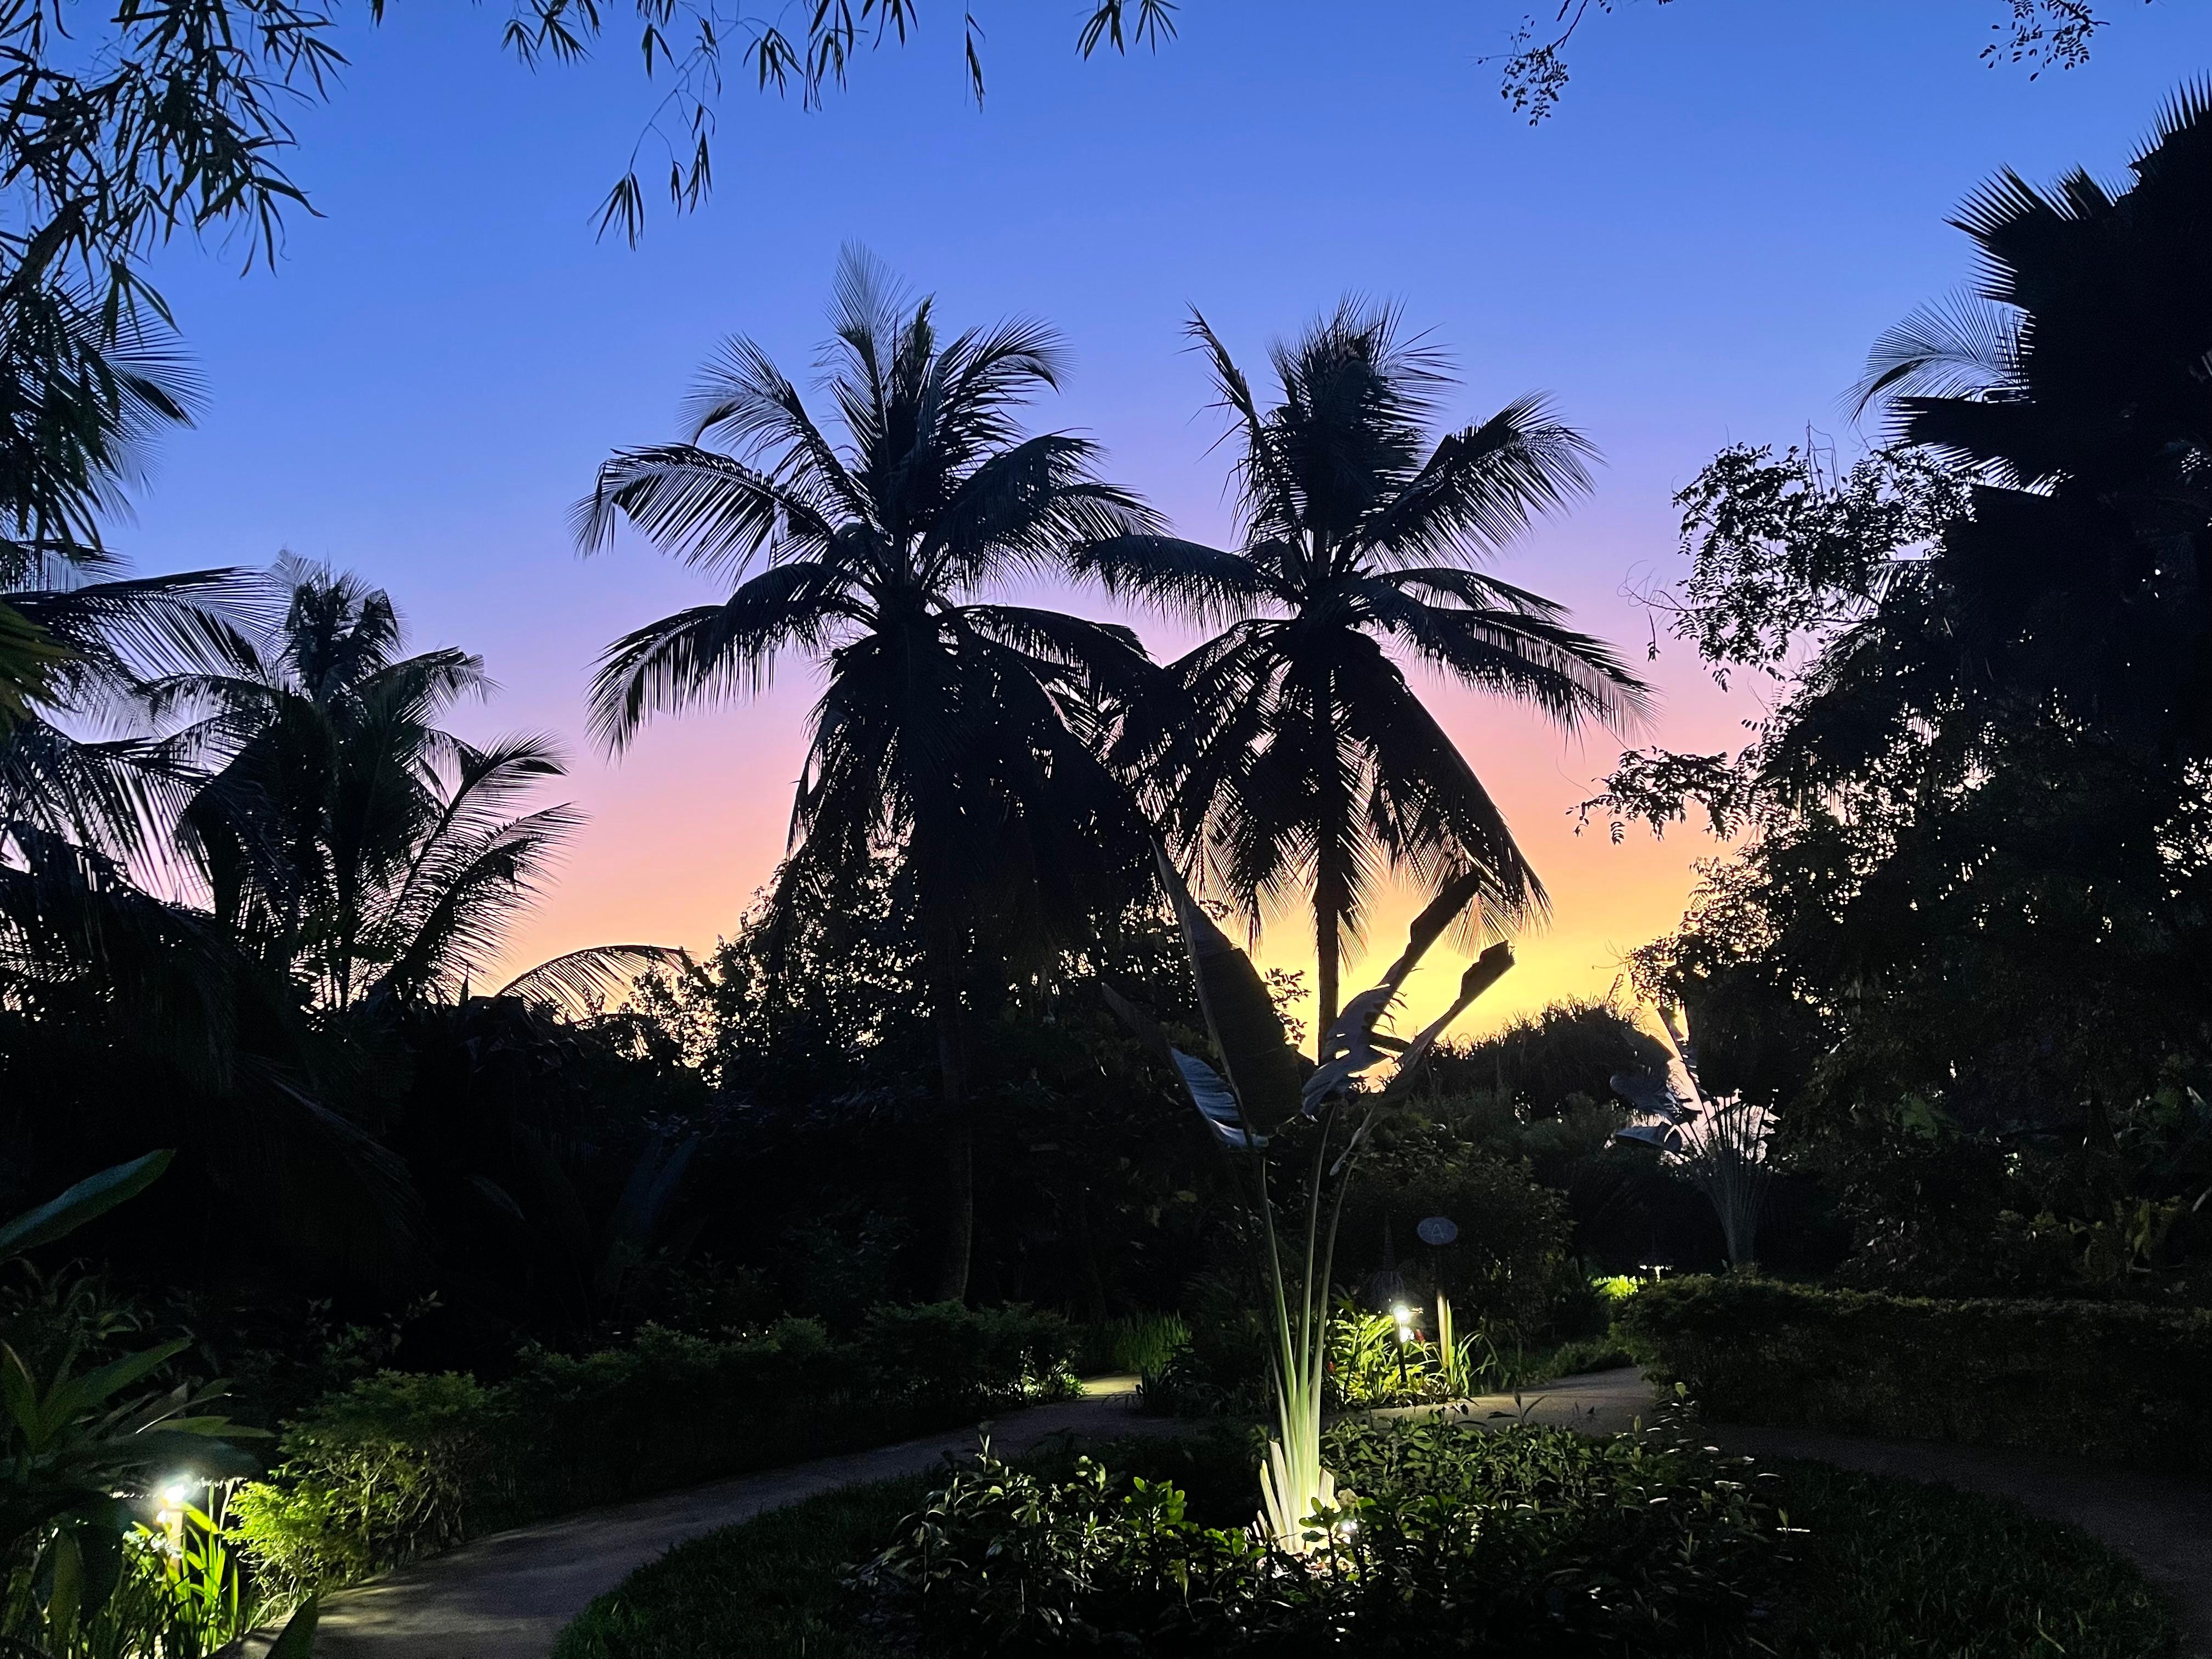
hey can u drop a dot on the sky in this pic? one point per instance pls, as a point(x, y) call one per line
point(1735, 198)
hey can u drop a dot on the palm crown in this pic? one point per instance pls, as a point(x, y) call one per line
point(2070, 386)
point(1297, 755)
point(346, 834)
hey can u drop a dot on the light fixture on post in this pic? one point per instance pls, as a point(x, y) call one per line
point(1404, 1315)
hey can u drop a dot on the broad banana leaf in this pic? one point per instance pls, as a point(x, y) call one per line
point(1215, 1100)
point(1262, 1067)
point(1485, 971)
point(1351, 1047)
point(94, 1195)
point(1647, 1093)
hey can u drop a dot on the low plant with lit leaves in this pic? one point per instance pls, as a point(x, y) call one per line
point(1527, 1541)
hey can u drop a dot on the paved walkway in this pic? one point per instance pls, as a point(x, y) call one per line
point(507, 1596)
point(2164, 1526)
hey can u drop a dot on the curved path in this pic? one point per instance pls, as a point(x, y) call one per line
point(507, 1596)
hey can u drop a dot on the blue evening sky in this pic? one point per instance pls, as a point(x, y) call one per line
point(1735, 198)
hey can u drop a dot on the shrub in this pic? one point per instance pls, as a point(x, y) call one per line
point(388, 1470)
point(2109, 1380)
point(1889, 1567)
point(1524, 1542)
point(1223, 1369)
point(397, 1466)
point(973, 1358)
point(1143, 1343)
point(1507, 1271)
point(769, 1588)
point(1882, 1567)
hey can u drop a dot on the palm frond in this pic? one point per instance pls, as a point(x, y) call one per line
point(1961, 347)
point(705, 508)
point(1482, 487)
point(711, 652)
point(1183, 578)
point(1570, 676)
point(579, 983)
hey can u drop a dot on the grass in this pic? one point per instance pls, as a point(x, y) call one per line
point(765, 1589)
point(1894, 1569)
point(1886, 1569)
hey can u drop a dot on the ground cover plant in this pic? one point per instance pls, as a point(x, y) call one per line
point(1874, 1567)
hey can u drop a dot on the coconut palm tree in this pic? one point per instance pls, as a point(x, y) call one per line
point(1297, 757)
point(347, 837)
point(956, 733)
point(80, 399)
point(2068, 387)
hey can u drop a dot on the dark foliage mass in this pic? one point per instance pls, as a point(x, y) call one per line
point(1963, 942)
point(1883, 1566)
point(2118, 1382)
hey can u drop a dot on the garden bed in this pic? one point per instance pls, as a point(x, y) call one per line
point(1814, 1563)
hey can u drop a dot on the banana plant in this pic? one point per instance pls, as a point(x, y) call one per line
point(1264, 1086)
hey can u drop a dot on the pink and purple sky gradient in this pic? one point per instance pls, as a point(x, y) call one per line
point(1736, 196)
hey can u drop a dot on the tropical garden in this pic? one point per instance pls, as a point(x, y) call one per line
point(339, 1238)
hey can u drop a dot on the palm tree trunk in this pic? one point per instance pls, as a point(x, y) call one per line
point(956, 1216)
point(1328, 944)
point(1329, 872)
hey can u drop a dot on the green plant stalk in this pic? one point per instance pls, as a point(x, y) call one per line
point(1296, 1492)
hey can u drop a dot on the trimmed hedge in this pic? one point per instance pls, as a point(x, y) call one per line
point(400, 1466)
point(2115, 1381)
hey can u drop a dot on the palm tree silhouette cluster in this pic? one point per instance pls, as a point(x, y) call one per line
point(1014, 764)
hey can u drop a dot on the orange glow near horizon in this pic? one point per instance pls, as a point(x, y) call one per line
point(687, 827)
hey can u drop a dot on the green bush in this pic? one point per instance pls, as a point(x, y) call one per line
point(2109, 1380)
point(772, 1588)
point(971, 1358)
point(398, 1467)
point(1879, 1568)
point(1888, 1568)
point(390, 1469)
point(1507, 1270)
point(1141, 1343)
point(1523, 1541)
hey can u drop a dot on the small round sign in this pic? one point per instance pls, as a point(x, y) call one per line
point(1438, 1231)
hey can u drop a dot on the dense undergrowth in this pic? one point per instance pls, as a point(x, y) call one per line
point(399, 1466)
point(1524, 1542)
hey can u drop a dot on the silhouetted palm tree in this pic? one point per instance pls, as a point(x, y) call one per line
point(956, 735)
point(1300, 758)
point(2070, 386)
point(78, 402)
point(345, 836)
